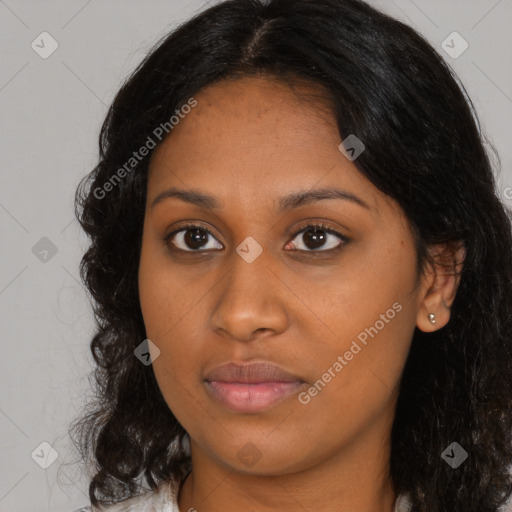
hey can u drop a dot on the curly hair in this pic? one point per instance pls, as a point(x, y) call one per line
point(424, 148)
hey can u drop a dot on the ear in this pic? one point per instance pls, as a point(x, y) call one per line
point(439, 284)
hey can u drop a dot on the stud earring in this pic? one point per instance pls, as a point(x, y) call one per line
point(432, 318)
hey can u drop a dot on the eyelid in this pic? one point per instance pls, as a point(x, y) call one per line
point(184, 227)
point(310, 225)
point(320, 225)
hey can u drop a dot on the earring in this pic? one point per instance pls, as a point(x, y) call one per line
point(432, 318)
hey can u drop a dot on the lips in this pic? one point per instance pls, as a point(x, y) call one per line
point(250, 372)
point(251, 387)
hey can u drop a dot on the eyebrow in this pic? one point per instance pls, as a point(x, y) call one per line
point(285, 203)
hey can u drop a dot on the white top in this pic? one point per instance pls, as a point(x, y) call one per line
point(164, 500)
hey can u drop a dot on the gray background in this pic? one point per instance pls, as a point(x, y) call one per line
point(52, 110)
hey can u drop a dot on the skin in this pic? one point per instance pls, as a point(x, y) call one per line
point(249, 142)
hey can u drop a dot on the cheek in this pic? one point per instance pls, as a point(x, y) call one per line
point(169, 308)
point(371, 318)
point(165, 298)
point(363, 291)
point(357, 377)
point(177, 368)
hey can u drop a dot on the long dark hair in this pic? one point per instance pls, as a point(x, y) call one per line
point(424, 149)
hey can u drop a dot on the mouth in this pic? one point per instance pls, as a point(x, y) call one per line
point(252, 387)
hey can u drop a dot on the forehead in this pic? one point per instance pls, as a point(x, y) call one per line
point(252, 112)
point(256, 98)
point(256, 137)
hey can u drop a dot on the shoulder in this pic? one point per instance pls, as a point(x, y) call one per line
point(162, 500)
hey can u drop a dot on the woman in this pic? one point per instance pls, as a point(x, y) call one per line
point(302, 274)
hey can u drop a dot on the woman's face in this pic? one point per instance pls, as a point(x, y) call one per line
point(334, 310)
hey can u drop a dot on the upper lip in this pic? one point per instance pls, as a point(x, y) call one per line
point(262, 371)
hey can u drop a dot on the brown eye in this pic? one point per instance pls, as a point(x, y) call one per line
point(313, 237)
point(192, 239)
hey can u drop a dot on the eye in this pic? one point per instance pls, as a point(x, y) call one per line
point(194, 238)
point(191, 238)
point(314, 236)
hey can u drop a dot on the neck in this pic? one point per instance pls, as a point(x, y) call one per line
point(353, 479)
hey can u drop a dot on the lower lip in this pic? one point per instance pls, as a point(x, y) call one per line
point(251, 397)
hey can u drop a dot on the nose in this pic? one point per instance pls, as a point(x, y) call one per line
point(251, 300)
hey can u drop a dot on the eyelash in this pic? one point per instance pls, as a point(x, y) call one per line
point(310, 225)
